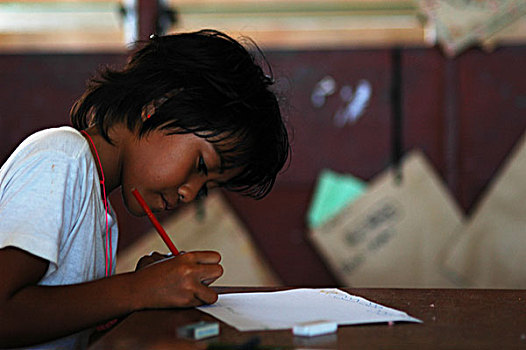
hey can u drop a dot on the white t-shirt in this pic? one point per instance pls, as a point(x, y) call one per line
point(51, 206)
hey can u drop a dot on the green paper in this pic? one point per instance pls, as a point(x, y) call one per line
point(333, 192)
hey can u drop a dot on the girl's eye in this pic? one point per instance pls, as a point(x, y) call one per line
point(201, 166)
point(203, 192)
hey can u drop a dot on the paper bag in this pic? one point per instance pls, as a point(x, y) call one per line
point(218, 229)
point(332, 193)
point(460, 23)
point(393, 234)
point(491, 251)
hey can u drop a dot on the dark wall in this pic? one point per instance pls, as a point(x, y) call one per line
point(466, 114)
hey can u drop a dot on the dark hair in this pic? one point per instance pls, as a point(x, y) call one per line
point(204, 83)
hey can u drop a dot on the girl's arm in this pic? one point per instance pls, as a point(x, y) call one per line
point(31, 314)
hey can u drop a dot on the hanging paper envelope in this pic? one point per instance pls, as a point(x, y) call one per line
point(491, 251)
point(393, 234)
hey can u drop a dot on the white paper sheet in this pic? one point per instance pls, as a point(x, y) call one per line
point(284, 309)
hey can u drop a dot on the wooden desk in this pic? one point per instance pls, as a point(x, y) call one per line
point(453, 319)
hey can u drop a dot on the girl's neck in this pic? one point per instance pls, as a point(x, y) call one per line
point(109, 157)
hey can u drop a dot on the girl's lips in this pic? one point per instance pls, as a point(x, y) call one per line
point(167, 205)
point(165, 202)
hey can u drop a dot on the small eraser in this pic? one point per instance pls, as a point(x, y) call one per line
point(311, 329)
point(199, 330)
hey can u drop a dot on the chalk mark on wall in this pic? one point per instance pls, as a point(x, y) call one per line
point(325, 87)
point(354, 103)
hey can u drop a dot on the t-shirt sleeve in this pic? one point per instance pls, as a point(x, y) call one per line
point(34, 215)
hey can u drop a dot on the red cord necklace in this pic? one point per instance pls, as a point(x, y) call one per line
point(108, 258)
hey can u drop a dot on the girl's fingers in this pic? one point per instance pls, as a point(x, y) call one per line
point(185, 278)
point(209, 281)
point(205, 295)
point(150, 259)
point(202, 257)
point(209, 272)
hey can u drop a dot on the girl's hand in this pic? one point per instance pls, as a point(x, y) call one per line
point(179, 281)
point(151, 259)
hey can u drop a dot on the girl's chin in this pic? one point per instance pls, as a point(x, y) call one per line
point(131, 205)
point(135, 211)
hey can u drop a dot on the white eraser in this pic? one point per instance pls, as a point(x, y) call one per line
point(199, 330)
point(311, 329)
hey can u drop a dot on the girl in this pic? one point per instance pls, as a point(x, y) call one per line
point(189, 112)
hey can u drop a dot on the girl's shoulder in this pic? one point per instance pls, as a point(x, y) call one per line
point(63, 140)
point(55, 135)
point(62, 145)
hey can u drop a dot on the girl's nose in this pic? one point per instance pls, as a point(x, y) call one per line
point(188, 191)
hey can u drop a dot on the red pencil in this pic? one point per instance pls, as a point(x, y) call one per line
point(155, 223)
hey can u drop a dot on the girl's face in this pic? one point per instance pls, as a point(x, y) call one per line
point(169, 169)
